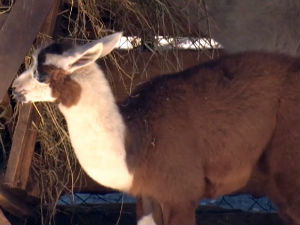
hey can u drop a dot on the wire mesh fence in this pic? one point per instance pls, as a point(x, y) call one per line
point(243, 202)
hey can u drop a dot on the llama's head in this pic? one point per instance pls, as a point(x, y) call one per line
point(48, 79)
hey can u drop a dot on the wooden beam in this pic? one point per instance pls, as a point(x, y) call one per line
point(20, 156)
point(19, 162)
point(24, 138)
point(23, 142)
point(3, 219)
point(50, 21)
point(17, 34)
point(13, 204)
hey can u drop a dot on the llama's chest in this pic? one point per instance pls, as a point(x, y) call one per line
point(101, 154)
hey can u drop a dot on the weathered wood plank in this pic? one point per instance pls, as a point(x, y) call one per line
point(12, 204)
point(19, 162)
point(50, 21)
point(20, 157)
point(17, 35)
point(3, 219)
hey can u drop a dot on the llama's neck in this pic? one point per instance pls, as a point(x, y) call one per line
point(97, 131)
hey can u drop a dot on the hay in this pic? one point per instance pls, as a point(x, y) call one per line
point(54, 162)
point(143, 21)
point(5, 107)
point(3, 139)
point(7, 123)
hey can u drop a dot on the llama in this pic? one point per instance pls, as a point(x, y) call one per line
point(227, 126)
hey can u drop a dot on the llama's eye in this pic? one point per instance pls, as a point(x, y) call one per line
point(39, 77)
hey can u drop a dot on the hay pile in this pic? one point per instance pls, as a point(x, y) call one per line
point(6, 119)
point(54, 163)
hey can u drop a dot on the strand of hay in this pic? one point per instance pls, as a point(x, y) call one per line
point(91, 19)
point(6, 119)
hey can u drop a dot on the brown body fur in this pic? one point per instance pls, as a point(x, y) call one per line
point(64, 89)
point(227, 126)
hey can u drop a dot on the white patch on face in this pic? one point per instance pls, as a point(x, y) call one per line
point(30, 89)
point(146, 220)
point(59, 61)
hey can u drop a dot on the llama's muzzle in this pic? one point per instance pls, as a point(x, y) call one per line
point(19, 95)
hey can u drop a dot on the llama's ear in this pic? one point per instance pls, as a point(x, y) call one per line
point(84, 55)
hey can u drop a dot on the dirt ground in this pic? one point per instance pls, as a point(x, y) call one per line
point(109, 214)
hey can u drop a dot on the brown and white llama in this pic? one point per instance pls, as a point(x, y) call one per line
point(227, 126)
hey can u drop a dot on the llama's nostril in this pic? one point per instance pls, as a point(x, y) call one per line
point(19, 95)
point(14, 91)
point(14, 87)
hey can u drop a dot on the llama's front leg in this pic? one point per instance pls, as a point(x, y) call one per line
point(179, 213)
point(148, 211)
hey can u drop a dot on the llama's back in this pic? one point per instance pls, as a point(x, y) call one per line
point(210, 121)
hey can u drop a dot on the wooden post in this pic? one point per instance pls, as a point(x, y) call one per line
point(19, 161)
point(23, 142)
point(12, 204)
point(3, 220)
point(19, 31)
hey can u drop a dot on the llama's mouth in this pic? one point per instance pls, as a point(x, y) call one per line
point(19, 96)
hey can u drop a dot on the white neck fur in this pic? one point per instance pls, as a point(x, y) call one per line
point(97, 130)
